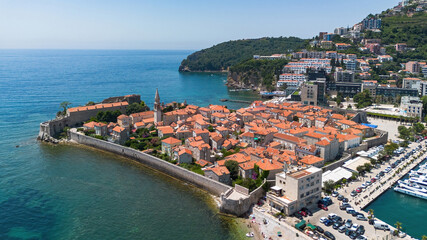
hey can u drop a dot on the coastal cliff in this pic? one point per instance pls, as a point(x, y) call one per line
point(227, 54)
point(255, 74)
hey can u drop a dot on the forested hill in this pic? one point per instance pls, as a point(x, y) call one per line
point(411, 30)
point(226, 54)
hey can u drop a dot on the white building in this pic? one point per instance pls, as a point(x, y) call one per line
point(296, 189)
point(414, 83)
point(293, 76)
point(412, 106)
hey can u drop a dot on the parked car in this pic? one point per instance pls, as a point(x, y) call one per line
point(361, 237)
point(306, 210)
point(360, 230)
point(345, 200)
point(331, 216)
point(323, 219)
point(304, 214)
point(354, 214)
point(322, 206)
point(348, 223)
point(342, 229)
point(337, 225)
point(354, 227)
point(297, 215)
point(361, 218)
point(328, 223)
point(344, 206)
point(329, 235)
point(319, 229)
point(353, 193)
point(334, 193)
point(340, 197)
point(337, 219)
point(359, 190)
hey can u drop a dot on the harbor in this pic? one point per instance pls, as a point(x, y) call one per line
point(395, 174)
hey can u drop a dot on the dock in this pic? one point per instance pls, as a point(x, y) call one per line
point(385, 184)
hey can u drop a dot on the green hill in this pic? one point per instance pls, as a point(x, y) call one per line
point(411, 30)
point(226, 54)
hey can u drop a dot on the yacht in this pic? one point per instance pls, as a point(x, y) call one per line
point(411, 189)
point(421, 180)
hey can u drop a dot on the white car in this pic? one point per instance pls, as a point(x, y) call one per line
point(331, 215)
point(323, 219)
point(354, 227)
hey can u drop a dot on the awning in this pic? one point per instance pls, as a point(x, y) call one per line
point(300, 225)
point(311, 226)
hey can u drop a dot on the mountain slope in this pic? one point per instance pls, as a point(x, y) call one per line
point(226, 54)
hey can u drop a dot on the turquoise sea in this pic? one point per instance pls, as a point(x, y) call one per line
point(69, 192)
point(393, 207)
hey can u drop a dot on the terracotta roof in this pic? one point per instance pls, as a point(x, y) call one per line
point(289, 138)
point(310, 160)
point(171, 141)
point(219, 171)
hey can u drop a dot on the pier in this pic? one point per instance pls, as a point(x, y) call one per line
point(392, 177)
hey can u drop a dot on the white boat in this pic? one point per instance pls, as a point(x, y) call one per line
point(411, 186)
point(410, 192)
point(251, 234)
point(422, 180)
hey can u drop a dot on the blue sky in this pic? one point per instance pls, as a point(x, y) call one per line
point(169, 24)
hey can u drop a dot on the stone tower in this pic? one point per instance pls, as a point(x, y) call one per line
point(157, 108)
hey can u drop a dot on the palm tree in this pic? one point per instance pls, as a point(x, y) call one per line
point(398, 226)
point(371, 212)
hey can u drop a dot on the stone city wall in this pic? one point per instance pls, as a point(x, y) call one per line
point(240, 206)
point(381, 138)
point(212, 186)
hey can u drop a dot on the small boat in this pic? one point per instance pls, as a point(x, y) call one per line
point(250, 234)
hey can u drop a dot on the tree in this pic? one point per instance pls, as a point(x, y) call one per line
point(210, 128)
point(363, 99)
point(90, 103)
point(329, 186)
point(360, 168)
point(354, 176)
point(398, 226)
point(418, 127)
point(371, 212)
point(424, 237)
point(136, 107)
point(233, 167)
point(64, 105)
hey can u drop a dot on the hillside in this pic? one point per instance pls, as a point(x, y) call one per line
point(226, 54)
point(411, 30)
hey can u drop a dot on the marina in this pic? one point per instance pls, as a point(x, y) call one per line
point(416, 185)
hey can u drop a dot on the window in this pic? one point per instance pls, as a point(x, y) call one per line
point(302, 195)
point(317, 181)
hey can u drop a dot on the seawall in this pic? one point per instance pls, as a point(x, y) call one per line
point(211, 186)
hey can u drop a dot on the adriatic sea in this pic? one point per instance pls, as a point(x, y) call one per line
point(69, 192)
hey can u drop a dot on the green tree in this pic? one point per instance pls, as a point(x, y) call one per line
point(211, 129)
point(363, 99)
point(64, 105)
point(90, 103)
point(136, 107)
point(329, 186)
point(418, 127)
point(233, 167)
point(398, 226)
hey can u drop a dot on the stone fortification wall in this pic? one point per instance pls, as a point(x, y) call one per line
point(338, 163)
point(50, 129)
point(242, 205)
point(381, 138)
point(134, 98)
point(198, 180)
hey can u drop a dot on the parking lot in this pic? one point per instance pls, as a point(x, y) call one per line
point(362, 198)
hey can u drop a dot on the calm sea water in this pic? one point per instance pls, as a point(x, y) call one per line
point(393, 207)
point(68, 192)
